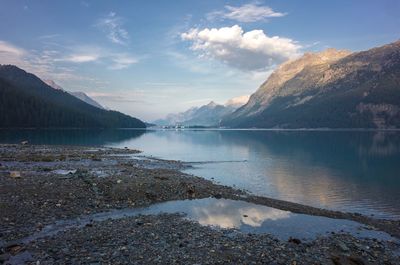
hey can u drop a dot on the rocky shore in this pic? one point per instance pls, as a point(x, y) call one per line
point(40, 185)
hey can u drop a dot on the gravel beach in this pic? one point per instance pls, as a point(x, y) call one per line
point(40, 185)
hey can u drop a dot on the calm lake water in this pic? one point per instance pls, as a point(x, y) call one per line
point(356, 171)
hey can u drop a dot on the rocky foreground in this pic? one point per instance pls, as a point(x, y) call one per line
point(40, 185)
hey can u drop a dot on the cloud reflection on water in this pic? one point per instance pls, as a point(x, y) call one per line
point(229, 214)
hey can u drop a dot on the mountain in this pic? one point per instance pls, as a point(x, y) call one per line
point(26, 101)
point(52, 84)
point(82, 96)
point(176, 118)
point(237, 101)
point(207, 115)
point(329, 89)
point(85, 98)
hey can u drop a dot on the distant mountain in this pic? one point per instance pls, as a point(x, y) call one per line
point(81, 95)
point(176, 118)
point(85, 98)
point(207, 115)
point(26, 101)
point(52, 84)
point(330, 89)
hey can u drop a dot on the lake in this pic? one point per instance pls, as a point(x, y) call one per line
point(356, 171)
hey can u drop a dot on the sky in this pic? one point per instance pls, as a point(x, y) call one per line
point(150, 58)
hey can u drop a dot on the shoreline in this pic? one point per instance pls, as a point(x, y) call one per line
point(108, 178)
point(155, 128)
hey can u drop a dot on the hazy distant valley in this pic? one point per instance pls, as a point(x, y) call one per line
point(209, 115)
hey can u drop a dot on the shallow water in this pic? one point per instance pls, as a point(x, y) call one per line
point(229, 214)
point(64, 171)
point(357, 171)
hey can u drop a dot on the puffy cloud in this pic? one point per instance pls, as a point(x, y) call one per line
point(245, 13)
point(252, 50)
point(113, 26)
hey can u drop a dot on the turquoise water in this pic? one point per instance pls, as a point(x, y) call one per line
point(357, 171)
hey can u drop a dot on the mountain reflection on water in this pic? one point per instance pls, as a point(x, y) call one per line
point(345, 170)
point(89, 137)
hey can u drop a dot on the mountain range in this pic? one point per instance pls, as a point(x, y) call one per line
point(26, 101)
point(85, 98)
point(329, 89)
point(78, 94)
point(206, 115)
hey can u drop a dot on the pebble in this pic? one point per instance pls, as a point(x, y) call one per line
point(147, 239)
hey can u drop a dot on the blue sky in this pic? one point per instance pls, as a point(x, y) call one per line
point(151, 58)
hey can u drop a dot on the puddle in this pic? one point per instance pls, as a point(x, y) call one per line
point(64, 171)
point(141, 157)
point(20, 258)
point(101, 173)
point(156, 163)
point(222, 213)
point(216, 162)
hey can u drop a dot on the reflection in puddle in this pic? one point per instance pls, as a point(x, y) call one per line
point(222, 213)
point(64, 171)
point(233, 214)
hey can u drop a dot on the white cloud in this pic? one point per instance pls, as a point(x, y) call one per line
point(58, 63)
point(8, 48)
point(112, 60)
point(252, 50)
point(245, 13)
point(121, 61)
point(42, 63)
point(130, 97)
point(113, 26)
point(81, 58)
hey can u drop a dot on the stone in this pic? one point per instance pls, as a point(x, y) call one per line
point(342, 246)
point(15, 174)
point(218, 196)
point(4, 257)
point(294, 240)
point(14, 249)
